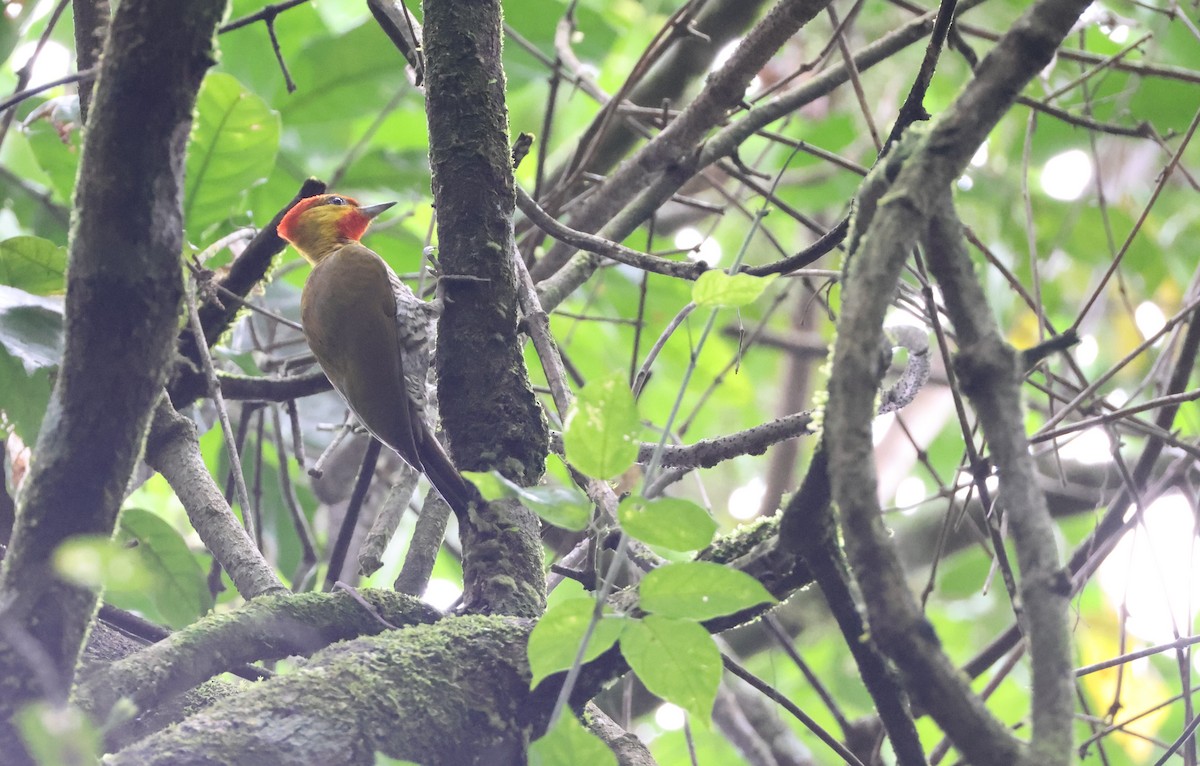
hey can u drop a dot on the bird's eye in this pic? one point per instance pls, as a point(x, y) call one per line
point(336, 201)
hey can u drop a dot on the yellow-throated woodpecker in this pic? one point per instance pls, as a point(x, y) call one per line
point(371, 334)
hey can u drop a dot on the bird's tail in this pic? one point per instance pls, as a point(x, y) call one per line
point(445, 478)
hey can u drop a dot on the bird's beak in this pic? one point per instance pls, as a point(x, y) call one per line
point(370, 211)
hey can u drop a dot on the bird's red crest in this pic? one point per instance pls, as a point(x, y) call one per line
point(351, 224)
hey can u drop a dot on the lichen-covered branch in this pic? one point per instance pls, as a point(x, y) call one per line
point(452, 693)
point(419, 693)
point(269, 628)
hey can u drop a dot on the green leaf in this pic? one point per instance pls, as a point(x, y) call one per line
point(95, 561)
point(490, 484)
point(23, 397)
point(57, 734)
point(699, 590)
point(716, 289)
point(563, 507)
point(676, 660)
point(568, 743)
point(31, 328)
point(30, 347)
point(33, 264)
point(10, 35)
point(680, 525)
point(342, 78)
point(179, 589)
point(59, 159)
point(555, 640)
point(599, 435)
point(232, 148)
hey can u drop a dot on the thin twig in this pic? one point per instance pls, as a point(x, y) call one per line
point(607, 248)
point(792, 708)
point(341, 545)
point(267, 13)
point(308, 552)
point(214, 390)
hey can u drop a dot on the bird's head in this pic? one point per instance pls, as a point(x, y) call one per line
point(317, 226)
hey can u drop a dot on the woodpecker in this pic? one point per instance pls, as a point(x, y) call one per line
point(371, 335)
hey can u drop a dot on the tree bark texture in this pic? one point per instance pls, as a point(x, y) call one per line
point(124, 287)
point(451, 694)
point(489, 412)
point(482, 375)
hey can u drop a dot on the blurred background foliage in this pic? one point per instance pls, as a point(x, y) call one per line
point(1051, 204)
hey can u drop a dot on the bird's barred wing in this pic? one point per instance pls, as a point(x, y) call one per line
point(416, 321)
